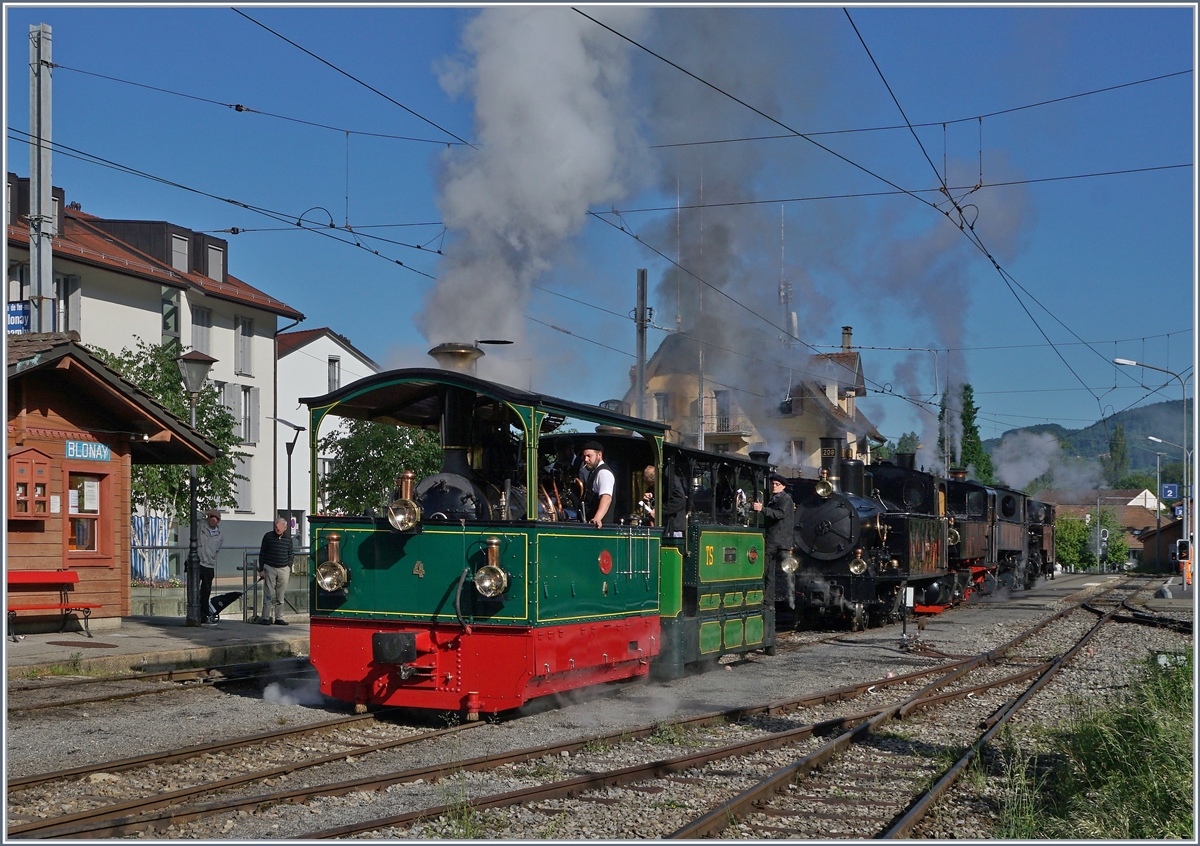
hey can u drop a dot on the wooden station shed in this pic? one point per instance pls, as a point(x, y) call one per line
point(75, 429)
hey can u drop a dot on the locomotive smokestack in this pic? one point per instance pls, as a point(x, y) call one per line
point(853, 471)
point(907, 460)
point(759, 455)
point(456, 356)
point(831, 460)
point(847, 336)
point(958, 474)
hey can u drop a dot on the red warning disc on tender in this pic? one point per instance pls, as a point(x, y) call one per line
point(605, 562)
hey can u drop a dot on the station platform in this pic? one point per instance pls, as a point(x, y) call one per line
point(147, 644)
point(1182, 596)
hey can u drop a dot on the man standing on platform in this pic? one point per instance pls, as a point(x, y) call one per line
point(274, 564)
point(210, 543)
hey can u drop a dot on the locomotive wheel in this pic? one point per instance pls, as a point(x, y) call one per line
point(858, 618)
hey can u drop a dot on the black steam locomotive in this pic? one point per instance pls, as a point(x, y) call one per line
point(866, 535)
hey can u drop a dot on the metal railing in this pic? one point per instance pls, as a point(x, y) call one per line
point(715, 424)
point(165, 596)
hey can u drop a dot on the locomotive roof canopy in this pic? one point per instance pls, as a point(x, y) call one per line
point(412, 397)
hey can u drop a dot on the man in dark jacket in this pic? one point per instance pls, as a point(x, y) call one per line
point(779, 521)
point(274, 563)
point(675, 507)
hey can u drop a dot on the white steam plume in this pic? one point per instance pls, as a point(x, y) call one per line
point(1022, 457)
point(554, 131)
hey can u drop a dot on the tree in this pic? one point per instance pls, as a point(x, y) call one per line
point(1076, 540)
point(973, 453)
point(1117, 464)
point(1117, 545)
point(1072, 549)
point(368, 457)
point(165, 488)
point(909, 442)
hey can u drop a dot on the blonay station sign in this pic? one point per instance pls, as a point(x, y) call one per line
point(88, 451)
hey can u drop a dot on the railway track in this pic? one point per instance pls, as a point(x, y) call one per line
point(208, 796)
point(28, 697)
point(747, 774)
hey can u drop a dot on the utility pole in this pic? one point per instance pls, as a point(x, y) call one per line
point(1157, 511)
point(41, 184)
point(642, 320)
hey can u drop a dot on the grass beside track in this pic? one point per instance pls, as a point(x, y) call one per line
point(1123, 772)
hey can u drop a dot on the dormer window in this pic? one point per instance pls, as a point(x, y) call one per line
point(216, 263)
point(179, 253)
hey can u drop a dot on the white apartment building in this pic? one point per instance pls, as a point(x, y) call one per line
point(120, 280)
point(312, 362)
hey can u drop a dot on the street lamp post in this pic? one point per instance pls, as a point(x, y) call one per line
point(1157, 508)
point(193, 367)
point(290, 446)
point(1187, 512)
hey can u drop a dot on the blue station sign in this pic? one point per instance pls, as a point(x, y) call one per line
point(1169, 492)
point(88, 451)
point(19, 320)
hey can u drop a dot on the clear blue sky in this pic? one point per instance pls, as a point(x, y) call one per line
point(566, 118)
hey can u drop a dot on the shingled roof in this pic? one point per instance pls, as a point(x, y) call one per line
point(167, 439)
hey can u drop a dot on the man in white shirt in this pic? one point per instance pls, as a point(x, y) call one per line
point(598, 495)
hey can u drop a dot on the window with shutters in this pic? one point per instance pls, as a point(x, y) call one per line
point(248, 414)
point(335, 372)
point(68, 296)
point(202, 330)
point(216, 263)
point(170, 318)
point(243, 334)
point(241, 480)
point(179, 253)
point(662, 406)
point(231, 398)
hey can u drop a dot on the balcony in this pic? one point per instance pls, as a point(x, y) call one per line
point(732, 425)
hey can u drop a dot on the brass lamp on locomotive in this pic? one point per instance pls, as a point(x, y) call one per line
point(475, 594)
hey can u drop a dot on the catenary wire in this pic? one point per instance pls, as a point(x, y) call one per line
point(972, 235)
point(91, 158)
point(903, 192)
point(978, 117)
point(238, 107)
point(323, 231)
point(353, 77)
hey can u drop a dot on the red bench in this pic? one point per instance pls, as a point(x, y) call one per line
point(61, 578)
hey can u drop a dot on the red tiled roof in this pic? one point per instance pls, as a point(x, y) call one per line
point(846, 359)
point(289, 341)
point(84, 242)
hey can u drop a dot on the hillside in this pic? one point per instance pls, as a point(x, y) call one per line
point(1162, 420)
